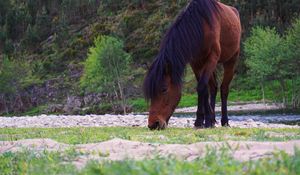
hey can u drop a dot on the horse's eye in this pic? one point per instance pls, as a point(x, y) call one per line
point(164, 90)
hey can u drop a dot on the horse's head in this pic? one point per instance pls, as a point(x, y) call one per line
point(163, 105)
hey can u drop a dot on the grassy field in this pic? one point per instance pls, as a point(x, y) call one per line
point(239, 93)
point(189, 100)
point(171, 135)
point(213, 163)
point(35, 163)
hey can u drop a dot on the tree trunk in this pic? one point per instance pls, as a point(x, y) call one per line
point(122, 97)
point(282, 85)
point(4, 103)
point(293, 100)
point(263, 93)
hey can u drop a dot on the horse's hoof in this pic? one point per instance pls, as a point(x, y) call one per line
point(199, 127)
point(226, 125)
point(207, 126)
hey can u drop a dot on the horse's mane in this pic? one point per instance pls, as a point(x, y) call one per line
point(181, 43)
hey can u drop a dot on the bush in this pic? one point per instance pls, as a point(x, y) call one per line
point(106, 68)
point(263, 62)
point(292, 55)
point(11, 75)
point(31, 36)
point(272, 58)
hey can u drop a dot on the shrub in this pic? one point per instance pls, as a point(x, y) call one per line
point(106, 68)
point(263, 62)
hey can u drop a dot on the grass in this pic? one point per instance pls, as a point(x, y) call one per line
point(242, 91)
point(190, 100)
point(171, 135)
point(213, 163)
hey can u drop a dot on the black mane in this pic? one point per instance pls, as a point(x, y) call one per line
point(181, 43)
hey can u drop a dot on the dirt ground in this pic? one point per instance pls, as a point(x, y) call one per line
point(118, 149)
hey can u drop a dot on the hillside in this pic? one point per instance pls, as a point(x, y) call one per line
point(43, 44)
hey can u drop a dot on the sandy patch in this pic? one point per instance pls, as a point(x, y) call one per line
point(118, 149)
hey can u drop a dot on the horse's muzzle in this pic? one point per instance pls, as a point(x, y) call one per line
point(158, 126)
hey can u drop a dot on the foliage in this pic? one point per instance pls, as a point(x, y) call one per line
point(272, 57)
point(292, 48)
point(261, 58)
point(12, 74)
point(56, 35)
point(106, 68)
point(31, 37)
point(6, 76)
point(292, 56)
point(106, 61)
point(262, 61)
point(14, 77)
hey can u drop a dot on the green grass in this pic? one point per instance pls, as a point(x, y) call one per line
point(190, 100)
point(171, 135)
point(213, 163)
point(239, 93)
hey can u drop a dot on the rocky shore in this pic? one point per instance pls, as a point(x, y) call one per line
point(133, 120)
point(58, 121)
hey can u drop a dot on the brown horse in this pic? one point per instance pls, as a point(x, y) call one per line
point(206, 33)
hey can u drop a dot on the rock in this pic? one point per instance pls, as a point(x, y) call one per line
point(118, 109)
point(73, 105)
point(55, 108)
point(93, 99)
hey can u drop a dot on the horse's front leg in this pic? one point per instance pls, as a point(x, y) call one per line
point(199, 123)
point(202, 88)
point(213, 88)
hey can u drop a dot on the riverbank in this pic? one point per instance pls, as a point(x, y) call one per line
point(59, 121)
point(183, 118)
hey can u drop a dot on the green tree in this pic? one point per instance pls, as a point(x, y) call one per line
point(43, 23)
point(12, 73)
point(31, 36)
point(263, 53)
point(292, 55)
point(106, 68)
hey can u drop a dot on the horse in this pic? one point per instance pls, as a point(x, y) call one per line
point(206, 33)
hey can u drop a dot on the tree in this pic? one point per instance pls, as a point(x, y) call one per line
point(106, 68)
point(43, 23)
point(292, 55)
point(31, 36)
point(263, 52)
point(12, 73)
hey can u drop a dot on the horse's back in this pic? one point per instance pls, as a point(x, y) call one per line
point(230, 32)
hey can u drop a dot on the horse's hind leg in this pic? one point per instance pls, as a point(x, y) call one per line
point(229, 68)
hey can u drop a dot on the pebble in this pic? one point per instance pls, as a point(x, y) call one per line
point(59, 121)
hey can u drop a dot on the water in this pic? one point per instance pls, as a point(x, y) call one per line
point(279, 117)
